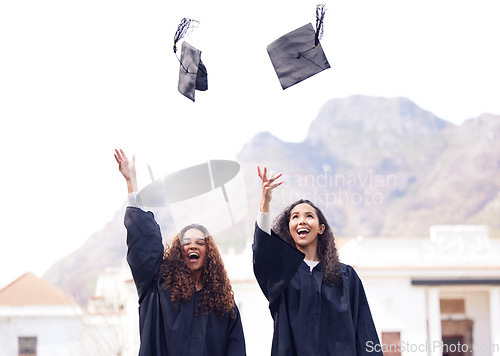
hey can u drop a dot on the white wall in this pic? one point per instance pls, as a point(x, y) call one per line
point(396, 305)
point(56, 335)
point(477, 309)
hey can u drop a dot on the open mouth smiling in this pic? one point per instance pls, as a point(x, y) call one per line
point(193, 256)
point(302, 232)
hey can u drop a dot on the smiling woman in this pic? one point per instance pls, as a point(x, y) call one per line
point(193, 239)
point(186, 304)
point(193, 266)
point(318, 304)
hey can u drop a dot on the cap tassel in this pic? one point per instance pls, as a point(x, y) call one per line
point(320, 16)
point(184, 29)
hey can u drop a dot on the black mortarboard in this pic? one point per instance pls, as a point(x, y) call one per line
point(192, 71)
point(298, 55)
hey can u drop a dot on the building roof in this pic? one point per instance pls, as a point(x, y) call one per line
point(32, 290)
point(449, 248)
point(495, 268)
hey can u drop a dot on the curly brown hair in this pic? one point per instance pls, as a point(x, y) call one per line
point(216, 295)
point(326, 250)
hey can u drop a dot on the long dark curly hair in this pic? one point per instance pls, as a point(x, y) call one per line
point(177, 277)
point(326, 250)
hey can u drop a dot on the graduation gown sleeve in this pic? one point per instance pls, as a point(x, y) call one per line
point(275, 262)
point(235, 338)
point(145, 248)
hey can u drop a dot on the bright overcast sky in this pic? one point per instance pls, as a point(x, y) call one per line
point(79, 78)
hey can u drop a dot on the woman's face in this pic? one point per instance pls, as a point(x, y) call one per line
point(305, 226)
point(194, 249)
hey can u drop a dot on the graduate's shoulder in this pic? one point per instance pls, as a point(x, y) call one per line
point(135, 215)
point(135, 211)
point(348, 271)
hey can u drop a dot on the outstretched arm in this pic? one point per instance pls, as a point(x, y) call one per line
point(127, 169)
point(268, 185)
point(275, 262)
point(144, 241)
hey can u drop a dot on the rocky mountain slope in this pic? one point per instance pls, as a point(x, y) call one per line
point(385, 167)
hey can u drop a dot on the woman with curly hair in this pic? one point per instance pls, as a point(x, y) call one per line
point(186, 304)
point(318, 304)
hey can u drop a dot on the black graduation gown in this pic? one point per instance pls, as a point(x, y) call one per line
point(164, 329)
point(310, 317)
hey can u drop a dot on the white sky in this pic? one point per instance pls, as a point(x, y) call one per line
point(79, 78)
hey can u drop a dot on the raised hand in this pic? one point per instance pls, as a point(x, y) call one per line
point(268, 185)
point(127, 169)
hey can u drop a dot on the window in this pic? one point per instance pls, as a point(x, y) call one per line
point(27, 346)
point(391, 343)
point(452, 306)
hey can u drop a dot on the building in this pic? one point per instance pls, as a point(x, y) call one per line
point(112, 319)
point(38, 319)
point(433, 296)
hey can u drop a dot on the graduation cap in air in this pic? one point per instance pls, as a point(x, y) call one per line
point(192, 71)
point(298, 55)
point(211, 194)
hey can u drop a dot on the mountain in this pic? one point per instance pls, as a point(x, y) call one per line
point(385, 167)
point(375, 166)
